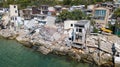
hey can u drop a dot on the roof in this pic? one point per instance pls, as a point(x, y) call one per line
point(51, 8)
point(27, 9)
point(101, 8)
point(108, 3)
point(82, 22)
point(58, 6)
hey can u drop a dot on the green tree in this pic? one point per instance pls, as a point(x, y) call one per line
point(24, 3)
point(117, 23)
point(95, 30)
point(117, 13)
point(67, 2)
point(77, 15)
point(64, 15)
point(117, 16)
point(73, 15)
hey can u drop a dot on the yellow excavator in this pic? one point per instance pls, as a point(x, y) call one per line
point(106, 30)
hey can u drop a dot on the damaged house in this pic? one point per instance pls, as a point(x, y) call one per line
point(77, 30)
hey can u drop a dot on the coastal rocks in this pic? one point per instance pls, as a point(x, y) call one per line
point(22, 38)
point(101, 57)
point(100, 47)
point(107, 65)
point(44, 50)
point(87, 58)
point(75, 56)
point(5, 34)
point(61, 50)
point(49, 40)
point(24, 41)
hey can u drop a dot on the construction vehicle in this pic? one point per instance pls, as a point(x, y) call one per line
point(106, 30)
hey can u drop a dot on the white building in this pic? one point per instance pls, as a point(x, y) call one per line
point(117, 3)
point(15, 19)
point(13, 11)
point(77, 31)
point(79, 7)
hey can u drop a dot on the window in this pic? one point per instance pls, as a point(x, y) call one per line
point(15, 11)
point(77, 30)
point(77, 37)
point(100, 14)
point(11, 18)
point(80, 37)
point(14, 6)
point(15, 18)
point(43, 17)
point(71, 25)
point(79, 25)
point(80, 30)
point(69, 38)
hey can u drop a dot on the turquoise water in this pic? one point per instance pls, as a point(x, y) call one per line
point(13, 54)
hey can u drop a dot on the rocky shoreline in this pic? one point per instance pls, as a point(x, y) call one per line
point(45, 47)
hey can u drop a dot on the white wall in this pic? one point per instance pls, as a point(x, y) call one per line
point(87, 26)
point(83, 35)
point(13, 10)
point(91, 7)
point(67, 24)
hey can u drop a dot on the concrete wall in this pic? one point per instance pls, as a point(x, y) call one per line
point(74, 31)
point(87, 27)
point(85, 30)
point(83, 35)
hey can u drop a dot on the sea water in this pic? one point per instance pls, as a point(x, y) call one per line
point(14, 54)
